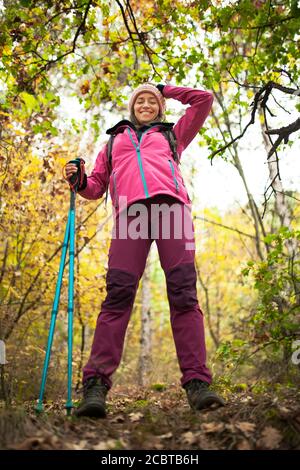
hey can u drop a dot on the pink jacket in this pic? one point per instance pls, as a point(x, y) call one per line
point(144, 169)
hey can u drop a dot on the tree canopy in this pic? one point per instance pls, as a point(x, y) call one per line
point(95, 52)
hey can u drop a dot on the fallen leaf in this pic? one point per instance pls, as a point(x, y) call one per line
point(270, 438)
point(100, 446)
point(105, 445)
point(80, 446)
point(90, 435)
point(230, 427)
point(135, 416)
point(117, 419)
point(244, 445)
point(246, 399)
point(285, 412)
point(157, 445)
point(212, 427)
point(205, 444)
point(189, 438)
point(46, 442)
point(245, 427)
point(166, 436)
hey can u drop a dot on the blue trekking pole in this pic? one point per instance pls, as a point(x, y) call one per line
point(69, 242)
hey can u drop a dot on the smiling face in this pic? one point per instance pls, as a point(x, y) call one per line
point(146, 108)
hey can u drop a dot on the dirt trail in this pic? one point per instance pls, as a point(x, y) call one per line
point(150, 419)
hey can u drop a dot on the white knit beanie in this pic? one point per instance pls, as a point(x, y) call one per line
point(150, 88)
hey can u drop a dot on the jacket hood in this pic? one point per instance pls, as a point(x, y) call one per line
point(126, 123)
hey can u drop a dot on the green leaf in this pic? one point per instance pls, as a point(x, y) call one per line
point(25, 3)
point(30, 102)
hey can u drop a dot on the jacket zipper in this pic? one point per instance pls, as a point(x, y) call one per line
point(138, 151)
point(174, 177)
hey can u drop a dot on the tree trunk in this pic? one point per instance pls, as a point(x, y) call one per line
point(257, 220)
point(214, 332)
point(253, 207)
point(281, 207)
point(146, 336)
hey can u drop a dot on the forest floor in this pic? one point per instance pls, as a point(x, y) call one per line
point(147, 418)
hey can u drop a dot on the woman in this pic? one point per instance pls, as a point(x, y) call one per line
point(144, 174)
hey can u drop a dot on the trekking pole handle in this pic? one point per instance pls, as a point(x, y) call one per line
point(76, 180)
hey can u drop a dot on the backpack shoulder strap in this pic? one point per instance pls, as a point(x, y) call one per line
point(109, 151)
point(109, 160)
point(169, 134)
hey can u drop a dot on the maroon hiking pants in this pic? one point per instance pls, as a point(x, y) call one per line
point(127, 259)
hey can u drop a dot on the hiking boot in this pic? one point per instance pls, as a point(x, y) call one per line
point(200, 396)
point(93, 403)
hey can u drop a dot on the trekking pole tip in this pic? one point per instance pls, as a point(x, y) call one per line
point(69, 405)
point(39, 408)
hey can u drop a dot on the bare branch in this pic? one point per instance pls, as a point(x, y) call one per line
point(4, 261)
point(64, 10)
point(227, 227)
point(53, 61)
point(261, 97)
point(266, 25)
point(283, 134)
point(129, 30)
point(141, 37)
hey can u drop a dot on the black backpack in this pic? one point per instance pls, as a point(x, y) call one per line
point(169, 134)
